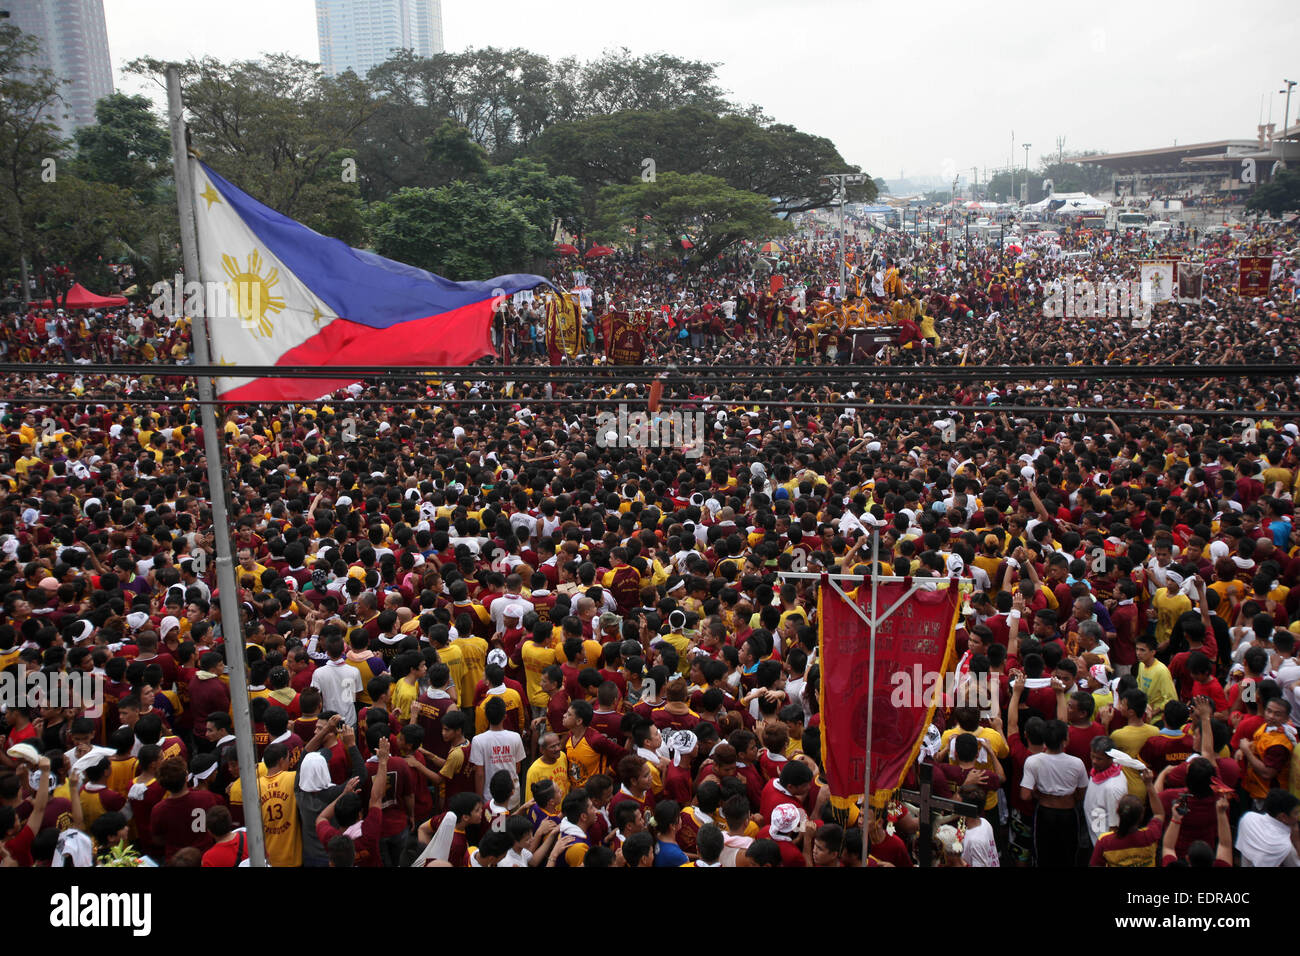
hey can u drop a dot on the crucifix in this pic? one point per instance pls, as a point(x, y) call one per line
point(930, 805)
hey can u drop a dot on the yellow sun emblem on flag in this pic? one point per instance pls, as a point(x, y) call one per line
point(251, 293)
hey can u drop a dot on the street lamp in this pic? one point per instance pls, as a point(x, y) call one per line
point(1286, 116)
point(1026, 145)
point(842, 181)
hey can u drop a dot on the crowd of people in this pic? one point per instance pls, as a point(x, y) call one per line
point(478, 633)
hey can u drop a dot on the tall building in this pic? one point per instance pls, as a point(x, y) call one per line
point(74, 46)
point(360, 34)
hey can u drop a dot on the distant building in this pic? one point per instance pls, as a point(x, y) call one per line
point(74, 46)
point(358, 35)
point(1223, 167)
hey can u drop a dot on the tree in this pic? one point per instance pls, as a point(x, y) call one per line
point(452, 154)
point(128, 146)
point(461, 231)
point(882, 187)
point(1280, 194)
point(548, 201)
point(82, 226)
point(619, 81)
point(502, 97)
point(275, 128)
point(775, 161)
point(29, 139)
point(714, 215)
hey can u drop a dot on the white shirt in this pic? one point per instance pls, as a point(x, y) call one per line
point(339, 683)
point(1056, 775)
point(498, 608)
point(1287, 674)
point(495, 750)
point(1265, 841)
point(512, 858)
point(1101, 803)
point(980, 848)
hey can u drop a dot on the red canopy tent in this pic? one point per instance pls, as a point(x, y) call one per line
point(79, 297)
point(596, 252)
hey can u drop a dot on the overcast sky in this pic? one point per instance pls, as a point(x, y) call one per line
point(924, 88)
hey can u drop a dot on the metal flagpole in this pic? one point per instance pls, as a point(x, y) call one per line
point(231, 632)
point(871, 693)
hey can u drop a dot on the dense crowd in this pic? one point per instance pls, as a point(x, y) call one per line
point(479, 633)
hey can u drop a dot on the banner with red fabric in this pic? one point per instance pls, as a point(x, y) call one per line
point(1253, 273)
point(624, 341)
point(917, 642)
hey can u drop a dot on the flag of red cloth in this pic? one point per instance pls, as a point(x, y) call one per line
point(914, 648)
point(1253, 274)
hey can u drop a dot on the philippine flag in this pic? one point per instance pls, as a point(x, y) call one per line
point(286, 295)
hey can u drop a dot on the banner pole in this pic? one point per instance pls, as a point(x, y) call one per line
point(231, 633)
point(871, 696)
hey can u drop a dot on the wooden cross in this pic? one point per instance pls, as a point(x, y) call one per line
point(929, 805)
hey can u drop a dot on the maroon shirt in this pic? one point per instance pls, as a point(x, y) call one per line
point(1079, 743)
point(173, 821)
point(367, 844)
point(610, 724)
point(207, 696)
point(400, 786)
point(1163, 751)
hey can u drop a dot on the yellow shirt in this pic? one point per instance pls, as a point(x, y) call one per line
point(1170, 608)
point(996, 743)
point(401, 695)
point(474, 651)
point(1158, 684)
point(557, 772)
point(452, 656)
point(280, 820)
point(536, 659)
point(1130, 740)
point(510, 697)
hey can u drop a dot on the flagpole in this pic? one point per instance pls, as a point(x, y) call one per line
point(871, 694)
point(231, 632)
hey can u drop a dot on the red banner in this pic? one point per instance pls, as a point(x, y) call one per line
point(915, 644)
point(1252, 275)
point(624, 341)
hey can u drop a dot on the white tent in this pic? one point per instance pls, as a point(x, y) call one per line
point(1068, 204)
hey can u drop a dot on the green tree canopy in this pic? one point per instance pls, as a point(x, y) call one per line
point(1280, 194)
point(29, 137)
point(776, 161)
point(274, 127)
point(714, 214)
point(462, 231)
point(128, 146)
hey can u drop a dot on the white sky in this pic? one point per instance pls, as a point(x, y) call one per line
point(924, 88)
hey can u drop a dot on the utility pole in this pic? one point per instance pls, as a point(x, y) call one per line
point(1060, 150)
point(231, 633)
point(974, 182)
point(842, 182)
point(1011, 165)
point(1027, 145)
